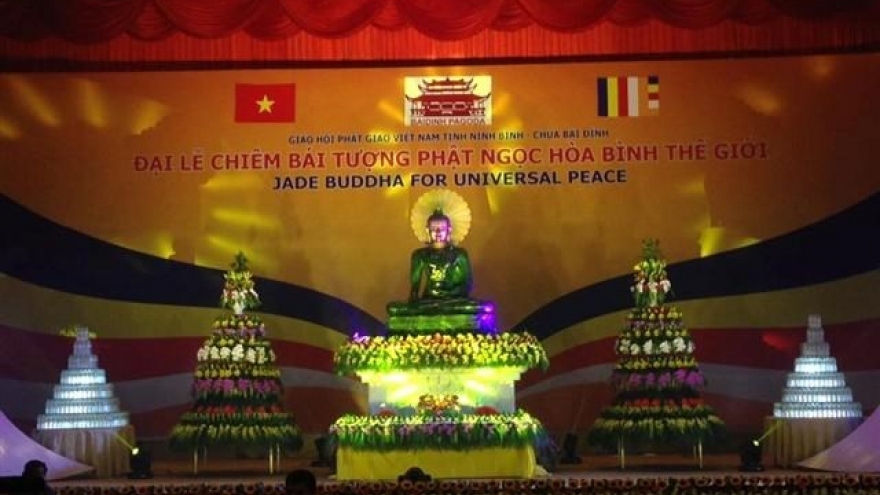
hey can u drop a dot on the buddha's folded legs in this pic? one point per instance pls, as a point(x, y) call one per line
point(440, 307)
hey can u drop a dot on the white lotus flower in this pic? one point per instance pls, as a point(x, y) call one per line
point(237, 352)
point(678, 344)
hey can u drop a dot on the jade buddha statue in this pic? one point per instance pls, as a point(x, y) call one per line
point(440, 286)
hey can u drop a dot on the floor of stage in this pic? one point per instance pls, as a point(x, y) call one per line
point(235, 470)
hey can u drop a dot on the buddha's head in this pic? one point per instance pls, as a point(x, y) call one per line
point(439, 229)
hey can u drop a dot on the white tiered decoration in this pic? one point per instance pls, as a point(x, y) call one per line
point(816, 389)
point(83, 399)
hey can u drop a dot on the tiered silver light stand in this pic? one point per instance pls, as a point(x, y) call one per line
point(84, 410)
point(817, 407)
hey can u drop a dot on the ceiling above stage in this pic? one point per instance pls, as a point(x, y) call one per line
point(370, 30)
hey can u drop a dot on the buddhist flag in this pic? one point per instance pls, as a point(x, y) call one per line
point(628, 96)
point(265, 102)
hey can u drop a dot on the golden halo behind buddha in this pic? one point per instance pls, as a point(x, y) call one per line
point(451, 204)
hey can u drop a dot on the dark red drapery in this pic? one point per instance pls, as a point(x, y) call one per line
point(370, 30)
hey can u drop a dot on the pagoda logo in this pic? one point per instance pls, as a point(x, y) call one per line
point(459, 100)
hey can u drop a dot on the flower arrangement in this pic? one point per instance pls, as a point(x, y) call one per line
point(645, 315)
point(72, 331)
point(242, 388)
point(233, 350)
point(656, 378)
point(662, 381)
point(237, 386)
point(485, 411)
point(214, 412)
point(693, 407)
point(437, 405)
point(439, 351)
point(699, 427)
point(239, 325)
point(238, 289)
point(650, 284)
point(257, 430)
point(462, 432)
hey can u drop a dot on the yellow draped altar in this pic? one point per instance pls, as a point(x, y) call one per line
point(496, 462)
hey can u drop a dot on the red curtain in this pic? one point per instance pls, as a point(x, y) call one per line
point(371, 30)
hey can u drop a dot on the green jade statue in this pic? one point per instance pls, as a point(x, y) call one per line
point(440, 285)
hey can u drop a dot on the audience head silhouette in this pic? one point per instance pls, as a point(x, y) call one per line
point(34, 468)
point(300, 482)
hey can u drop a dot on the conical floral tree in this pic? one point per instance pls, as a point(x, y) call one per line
point(237, 387)
point(656, 379)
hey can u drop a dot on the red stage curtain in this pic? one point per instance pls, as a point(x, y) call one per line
point(340, 30)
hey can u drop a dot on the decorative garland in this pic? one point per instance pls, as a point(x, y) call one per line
point(243, 326)
point(458, 432)
point(261, 430)
point(364, 353)
point(801, 484)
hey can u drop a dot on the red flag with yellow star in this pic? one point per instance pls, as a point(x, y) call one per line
point(265, 102)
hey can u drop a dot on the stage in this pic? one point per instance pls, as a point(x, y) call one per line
point(597, 474)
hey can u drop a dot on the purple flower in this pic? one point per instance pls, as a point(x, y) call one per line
point(664, 380)
point(680, 375)
point(694, 379)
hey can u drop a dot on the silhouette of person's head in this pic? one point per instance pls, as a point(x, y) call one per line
point(34, 468)
point(414, 475)
point(300, 482)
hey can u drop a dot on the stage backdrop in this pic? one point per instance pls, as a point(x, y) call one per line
point(125, 197)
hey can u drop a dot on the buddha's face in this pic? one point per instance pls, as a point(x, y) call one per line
point(439, 231)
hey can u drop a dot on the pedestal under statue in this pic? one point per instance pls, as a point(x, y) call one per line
point(441, 382)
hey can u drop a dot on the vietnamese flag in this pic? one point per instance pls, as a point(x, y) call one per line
point(265, 102)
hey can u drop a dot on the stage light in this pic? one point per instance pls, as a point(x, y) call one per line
point(37, 102)
point(326, 447)
point(569, 450)
point(140, 464)
point(8, 129)
point(750, 457)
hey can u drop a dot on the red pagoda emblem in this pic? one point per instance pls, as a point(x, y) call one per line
point(448, 101)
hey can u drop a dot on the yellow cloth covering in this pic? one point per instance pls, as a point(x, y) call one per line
point(494, 462)
point(795, 439)
point(107, 449)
